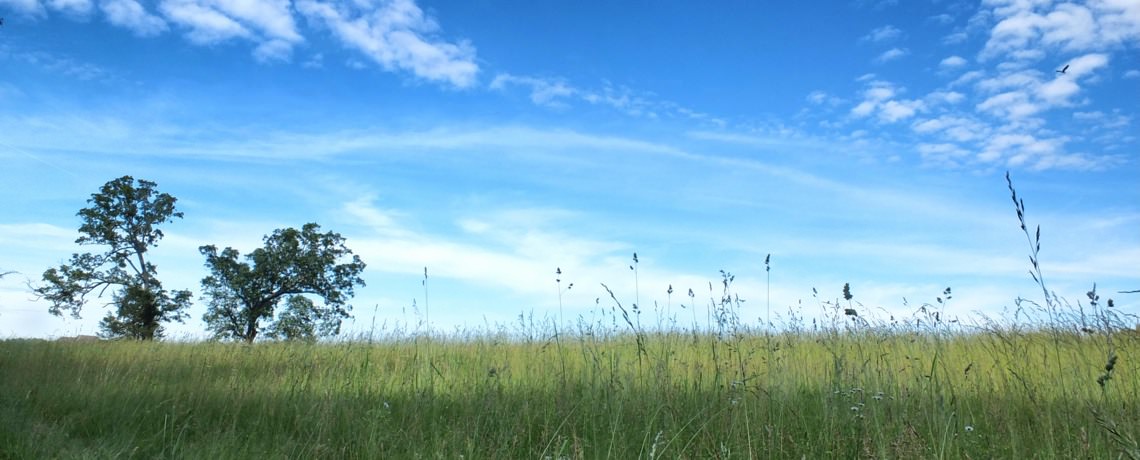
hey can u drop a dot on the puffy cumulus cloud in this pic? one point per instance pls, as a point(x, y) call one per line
point(1022, 93)
point(879, 99)
point(131, 15)
point(398, 35)
point(1133, 73)
point(1031, 24)
point(892, 111)
point(952, 62)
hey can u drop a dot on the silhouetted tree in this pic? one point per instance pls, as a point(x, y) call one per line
point(124, 216)
point(293, 263)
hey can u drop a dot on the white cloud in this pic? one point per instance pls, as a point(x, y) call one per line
point(1026, 150)
point(79, 8)
point(955, 38)
point(131, 15)
point(943, 154)
point(1058, 91)
point(882, 34)
point(820, 97)
point(892, 54)
point(880, 91)
point(1013, 104)
point(946, 97)
point(879, 99)
point(543, 92)
point(1088, 116)
point(1032, 24)
point(28, 7)
point(967, 77)
point(892, 111)
point(953, 127)
point(268, 23)
point(207, 25)
point(1133, 73)
point(315, 61)
point(942, 18)
point(863, 109)
point(398, 35)
point(1070, 26)
point(1025, 92)
point(1103, 120)
point(952, 62)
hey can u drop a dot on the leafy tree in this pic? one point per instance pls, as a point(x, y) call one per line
point(293, 263)
point(124, 217)
point(302, 320)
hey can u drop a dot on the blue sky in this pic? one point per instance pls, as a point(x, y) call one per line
point(493, 142)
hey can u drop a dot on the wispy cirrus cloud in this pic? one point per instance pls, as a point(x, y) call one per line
point(559, 94)
point(882, 34)
point(543, 92)
point(131, 15)
point(267, 23)
point(397, 34)
point(891, 55)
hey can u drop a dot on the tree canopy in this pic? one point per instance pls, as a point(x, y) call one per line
point(124, 217)
point(293, 264)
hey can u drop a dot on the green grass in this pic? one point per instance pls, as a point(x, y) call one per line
point(844, 393)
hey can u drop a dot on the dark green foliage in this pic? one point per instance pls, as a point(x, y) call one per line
point(293, 263)
point(303, 320)
point(124, 217)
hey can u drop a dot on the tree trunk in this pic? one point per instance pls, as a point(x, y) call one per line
point(250, 332)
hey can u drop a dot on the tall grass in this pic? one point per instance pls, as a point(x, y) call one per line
point(828, 394)
point(1050, 381)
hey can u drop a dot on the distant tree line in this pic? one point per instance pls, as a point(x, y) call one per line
point(243, 293)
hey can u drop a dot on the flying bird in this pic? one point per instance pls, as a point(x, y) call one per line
point(1064, 69)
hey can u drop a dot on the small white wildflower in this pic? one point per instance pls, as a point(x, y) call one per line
point(386, 406)
point(878, 396)
point(969, 428)
point(854, 408)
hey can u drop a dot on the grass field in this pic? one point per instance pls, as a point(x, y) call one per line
point(1051, 381)
point(851, 390)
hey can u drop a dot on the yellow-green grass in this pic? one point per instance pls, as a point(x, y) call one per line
point(850, 394)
